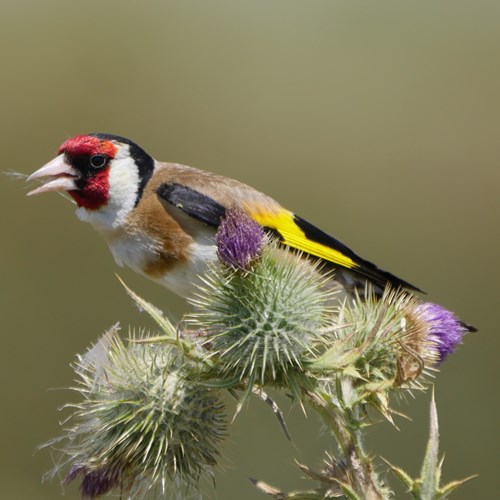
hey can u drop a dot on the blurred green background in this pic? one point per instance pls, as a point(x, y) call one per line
point(379, 121)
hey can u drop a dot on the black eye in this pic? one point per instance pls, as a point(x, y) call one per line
point(98, 161)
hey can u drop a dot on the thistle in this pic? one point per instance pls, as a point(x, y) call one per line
point(393, 339)
point(262, 325)
point(145, 422)
point(151, 418)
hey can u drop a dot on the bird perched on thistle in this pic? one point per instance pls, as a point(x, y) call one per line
point(160, 219)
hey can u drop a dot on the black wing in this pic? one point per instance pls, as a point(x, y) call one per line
point(192, 202)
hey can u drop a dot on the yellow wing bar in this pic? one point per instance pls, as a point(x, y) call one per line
point(284, 223)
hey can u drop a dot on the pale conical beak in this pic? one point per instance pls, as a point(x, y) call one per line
point(61, 176)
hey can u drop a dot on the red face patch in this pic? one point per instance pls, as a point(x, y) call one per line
point(87, 145)
point(95, 193)
point(93, 184)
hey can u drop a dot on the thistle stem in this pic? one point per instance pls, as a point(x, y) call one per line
point(345, 425)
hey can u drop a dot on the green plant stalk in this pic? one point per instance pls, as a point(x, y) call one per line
point(345, 425)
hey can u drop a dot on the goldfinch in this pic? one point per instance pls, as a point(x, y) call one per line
point(160, 219)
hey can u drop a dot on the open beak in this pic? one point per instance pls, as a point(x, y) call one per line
point(61, 176)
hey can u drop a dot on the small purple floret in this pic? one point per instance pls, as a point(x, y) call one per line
point(95, 483)
point(445, 329)
point(75, 471)
point(239, 240)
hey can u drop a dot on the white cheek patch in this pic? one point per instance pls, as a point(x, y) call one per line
point(123, 188)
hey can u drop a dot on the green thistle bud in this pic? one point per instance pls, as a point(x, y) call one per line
point(144, 420)
point(378, 342)
point(418, 353)
point(373, 328)
point(262, 324)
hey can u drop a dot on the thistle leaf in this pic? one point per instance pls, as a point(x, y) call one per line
point(426, 487)
point(453, 485)
point(431, 468)
point(163, 322)
point(403, 476)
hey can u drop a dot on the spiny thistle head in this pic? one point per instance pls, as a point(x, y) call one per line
point(239, 240)
point(390, 340)
point(144, 423)
point(262, 324)
point(388, 350)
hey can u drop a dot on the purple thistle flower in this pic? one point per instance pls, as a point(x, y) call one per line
point(445, 330)
point(239, 240)
point(95, 482)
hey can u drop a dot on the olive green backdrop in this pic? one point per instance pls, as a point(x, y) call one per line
point(377, 120)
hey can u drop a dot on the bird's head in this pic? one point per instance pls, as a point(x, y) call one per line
point(98, 170)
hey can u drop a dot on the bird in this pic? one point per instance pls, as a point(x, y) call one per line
point(160, 219)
